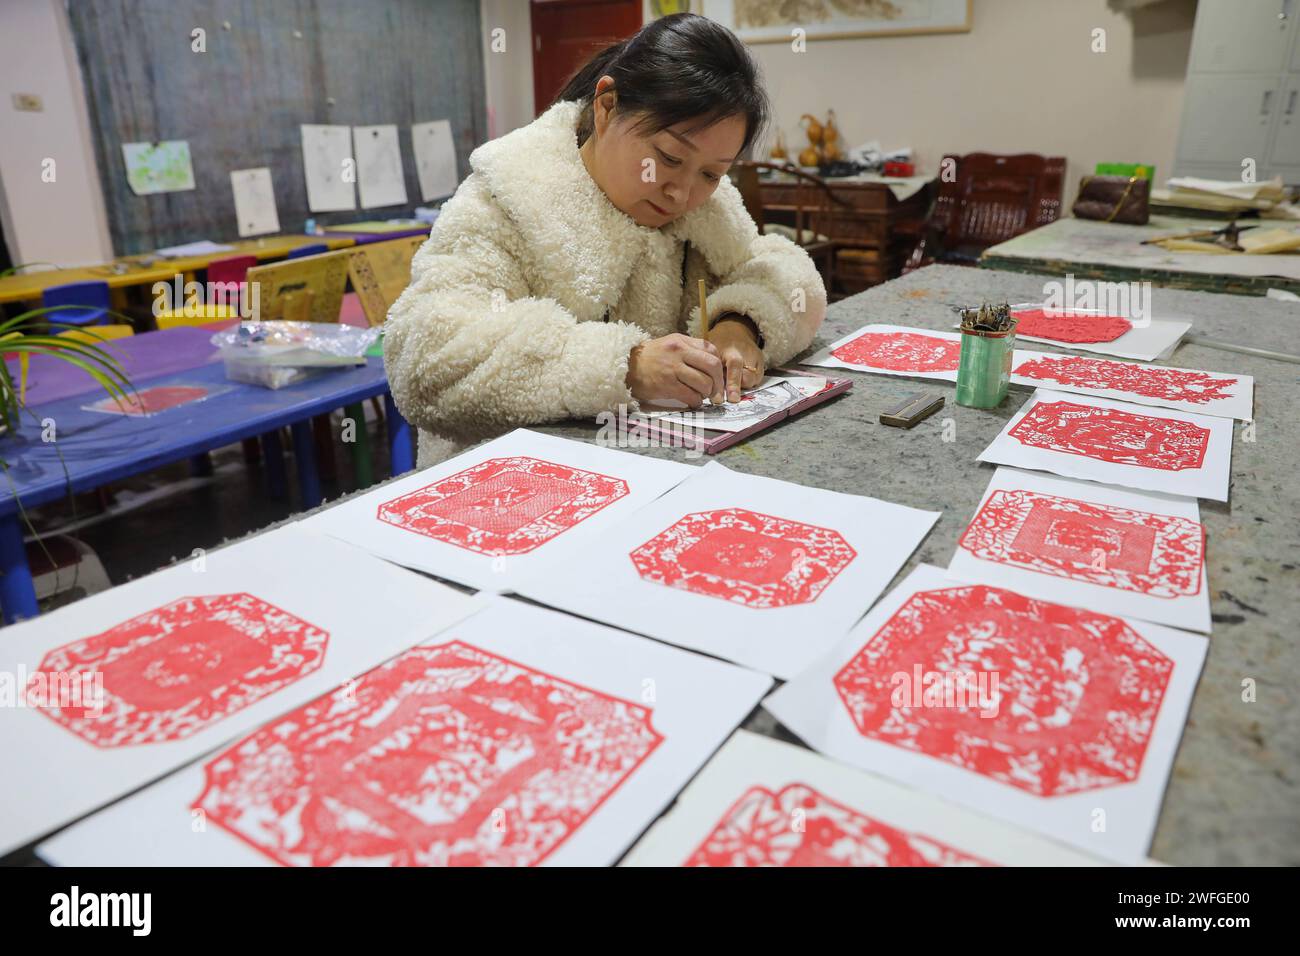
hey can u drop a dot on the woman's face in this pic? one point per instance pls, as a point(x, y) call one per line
point(657, 177)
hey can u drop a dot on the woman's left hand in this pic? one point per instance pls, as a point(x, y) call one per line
point(742, 359)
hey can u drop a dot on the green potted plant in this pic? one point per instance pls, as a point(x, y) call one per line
point(31, 333)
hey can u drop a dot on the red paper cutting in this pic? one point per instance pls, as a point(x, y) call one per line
point(176, 670)
point(149, 401)
point(1113, 435)
point(799, 826)
point(1158, 555)
point(444, 756)
point(1169, 384)
point(745, 557)
point(901, 352)
point(1078, 692)
point(504, 505)
point(1071, 326)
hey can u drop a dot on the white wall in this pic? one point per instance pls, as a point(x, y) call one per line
point(1024, 79)
point(63, 221)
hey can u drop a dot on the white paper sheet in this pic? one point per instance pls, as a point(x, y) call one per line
point(328, 167)
point(895, 350)
point(530, 738)
point(204, 247)
point(1080, 730)
point(762, 572)
point(1118, 443)
point(762, 802)
point(379, 166)
point(255, 209)
point(1189, 390)
point(1088, 545)
point(435, 159)
point(1146, 341)
point(334, 612)
point(494, 514)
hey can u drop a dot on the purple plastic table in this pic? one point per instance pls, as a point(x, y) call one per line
point(93, 449)
point(149, 355)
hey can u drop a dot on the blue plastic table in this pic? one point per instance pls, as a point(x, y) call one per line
point(91, 448)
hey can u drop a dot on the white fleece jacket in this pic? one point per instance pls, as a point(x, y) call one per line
point(533, 288)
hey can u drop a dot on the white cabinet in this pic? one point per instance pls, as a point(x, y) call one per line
point(1284, 157)
point(1243, 84)
point(1243, 108)
point(1242, 36)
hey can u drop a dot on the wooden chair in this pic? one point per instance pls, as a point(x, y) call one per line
point(815, 206)
point(989, 200)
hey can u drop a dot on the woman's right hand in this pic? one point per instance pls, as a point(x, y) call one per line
point(676, 370)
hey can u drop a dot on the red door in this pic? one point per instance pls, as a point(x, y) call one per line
point(567, 32)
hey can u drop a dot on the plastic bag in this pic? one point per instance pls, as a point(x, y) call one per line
point(297, 344)
point(276, 354)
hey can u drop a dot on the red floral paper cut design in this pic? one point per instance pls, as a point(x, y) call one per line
point(1168, 384)
point(1158, 555)
point(799, 826)
point(504, 505)
point(745, 557)
point(443, 756)
point(901, 352)
point(150, 401)
point(1113, 435)
point(1077, 697)
point(1071, 326)
point(176, 670)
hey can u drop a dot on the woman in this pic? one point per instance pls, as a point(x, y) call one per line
point(561, 280)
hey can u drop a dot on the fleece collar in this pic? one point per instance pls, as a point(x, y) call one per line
point(585, 244)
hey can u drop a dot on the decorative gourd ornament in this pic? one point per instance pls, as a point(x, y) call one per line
point(778, 151)
point(830, 139)
point(812, 128)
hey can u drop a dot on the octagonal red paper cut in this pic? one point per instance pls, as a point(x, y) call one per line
point(1150, 381)
point(1114, 435)
point(1138, 551)
point(749, 558)
point(901, 352)
point(1077, 698)
point(443, 756)
point(504, 506)
point(178, 669)
point(1079, 327)
point(800, 826)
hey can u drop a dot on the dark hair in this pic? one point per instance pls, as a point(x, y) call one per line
point(677, 68)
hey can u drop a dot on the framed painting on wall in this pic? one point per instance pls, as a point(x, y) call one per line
point(772, 21)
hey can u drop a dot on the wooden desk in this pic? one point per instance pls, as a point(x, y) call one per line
point(148, 268)
point(1114, 252)
point(874, 233)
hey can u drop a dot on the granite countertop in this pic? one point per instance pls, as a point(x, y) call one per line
point(1234, 794)
point(1233, 797)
